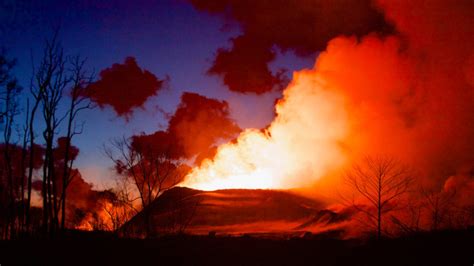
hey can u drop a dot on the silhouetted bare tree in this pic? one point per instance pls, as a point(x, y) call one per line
point(9, 93)
point(379, 182)
point(36, 90)
point(438, 204)
point(150, 164)
point(120, 207)
point(55, 77)
point(151, 170)
point(410, 219)
point(52, 80)
point(79, 101)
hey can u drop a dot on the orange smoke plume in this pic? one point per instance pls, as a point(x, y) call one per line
point(302, 144)
point(409, 95)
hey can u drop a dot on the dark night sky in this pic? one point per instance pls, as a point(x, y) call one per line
point(166, 37)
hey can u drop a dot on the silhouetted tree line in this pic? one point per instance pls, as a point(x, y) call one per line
point(388, 201)
point(37, 155)
point(29, 153)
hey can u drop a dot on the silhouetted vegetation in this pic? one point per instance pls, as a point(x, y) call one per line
point(101, 248)
point(55, 78)
point(380, 181)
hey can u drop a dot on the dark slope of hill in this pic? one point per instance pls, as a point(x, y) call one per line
point(327, 217)
point(230, 211)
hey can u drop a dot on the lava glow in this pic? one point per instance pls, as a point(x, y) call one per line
point(301, 145)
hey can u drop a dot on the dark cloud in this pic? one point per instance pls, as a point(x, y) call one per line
point(303, 26)
point(198, 123)
point(245, 67)
point(124, 87)
point(160, 142)
point(18, 170)
point(80, 194)
point(60, 150)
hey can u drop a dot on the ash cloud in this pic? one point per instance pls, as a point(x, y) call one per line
point(303, 26)
point(197, 124)
point(124, 87)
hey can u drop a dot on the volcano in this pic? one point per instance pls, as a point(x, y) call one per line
point(231, 212)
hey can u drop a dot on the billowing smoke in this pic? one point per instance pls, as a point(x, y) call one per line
point(301, 145)
point(124, 87)
point(197, 124)
point(409, 95)
point(82, 199)
point(303, 26)
point(438, 102)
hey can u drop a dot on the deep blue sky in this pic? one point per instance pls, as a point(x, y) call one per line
point(166, 37)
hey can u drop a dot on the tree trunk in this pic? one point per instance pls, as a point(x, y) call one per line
point(66, 169)
point(31, 163)
point(379, 209)
point(23, 167)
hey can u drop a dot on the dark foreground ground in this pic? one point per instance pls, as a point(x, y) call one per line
point(442, 248)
